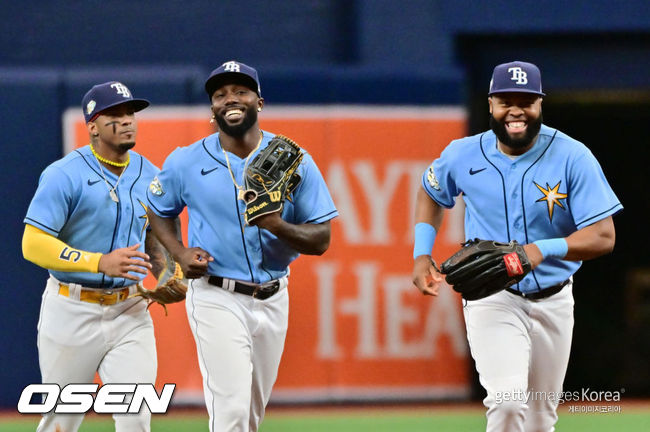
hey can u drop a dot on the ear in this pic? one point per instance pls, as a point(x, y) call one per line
point(92, 129)
point(260, 104)
point(490, 104)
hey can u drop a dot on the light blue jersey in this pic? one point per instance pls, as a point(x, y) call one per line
point(554, 189)
point(197, 176)
point(72, 203)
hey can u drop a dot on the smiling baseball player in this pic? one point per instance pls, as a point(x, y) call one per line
point(87, 225)
point(527, 184)
point(249, 218)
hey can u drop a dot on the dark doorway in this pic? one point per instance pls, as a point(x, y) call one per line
point(611, 336)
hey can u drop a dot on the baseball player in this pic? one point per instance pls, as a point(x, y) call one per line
point(237, 301)
point(523, 181)
point(87, 225)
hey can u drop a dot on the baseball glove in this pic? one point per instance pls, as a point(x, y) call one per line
point(171, 287)
point(271, 177)
point(484, 267)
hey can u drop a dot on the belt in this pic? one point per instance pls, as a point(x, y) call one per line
point(261, 292)
point(100, 296)
point(538, 295)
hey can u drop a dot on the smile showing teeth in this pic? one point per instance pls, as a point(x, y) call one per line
point(233, 113)
point(516, 125)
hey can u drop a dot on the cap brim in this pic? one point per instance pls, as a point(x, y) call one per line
point(515, 90)
point(212, 84)
point(140, 104)
point(137, 104)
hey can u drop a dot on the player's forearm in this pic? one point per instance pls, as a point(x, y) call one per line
point(428, 219)
point(48, 252)
point(591, 241)
point(158, 255)
point(167, 231)
point(587, 243)
point(427, 210)
point(308, 239)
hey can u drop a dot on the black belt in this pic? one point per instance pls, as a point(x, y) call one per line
point(261, 292)
point(538, 295)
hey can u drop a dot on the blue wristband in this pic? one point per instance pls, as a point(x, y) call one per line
point(553, 248)
point(425, 236)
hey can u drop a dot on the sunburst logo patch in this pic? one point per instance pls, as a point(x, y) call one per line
point(552, 196)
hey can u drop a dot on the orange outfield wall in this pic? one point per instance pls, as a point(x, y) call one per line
point(358, 328)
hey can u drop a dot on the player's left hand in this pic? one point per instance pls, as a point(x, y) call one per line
point(534, 255)
point(426, 276)
point(193, 261)
point(269, 221)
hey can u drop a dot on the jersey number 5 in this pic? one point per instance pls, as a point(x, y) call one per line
point(68, 254)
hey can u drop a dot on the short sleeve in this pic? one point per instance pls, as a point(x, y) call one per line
point(438, 180)
point(312, 200)
point(52, 201)
point(165, 190)
point(591, 197)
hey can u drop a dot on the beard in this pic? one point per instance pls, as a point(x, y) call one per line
point(500, 131)
point(238, 131)
point(127, 145)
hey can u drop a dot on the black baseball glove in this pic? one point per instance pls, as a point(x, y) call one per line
point(271, 177)
point(484, 267)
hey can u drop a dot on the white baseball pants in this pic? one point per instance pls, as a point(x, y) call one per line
point(239, 341)
point(77, 339)
point(521, 349)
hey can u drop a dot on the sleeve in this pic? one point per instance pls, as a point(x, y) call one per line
point(591, 198)
point(164, 193)
point(52, 201)
point(438, 180)
point(51, 253)
point(312, 200)
point(152, 172)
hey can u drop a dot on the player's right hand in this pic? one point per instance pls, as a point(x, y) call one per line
point(120, 262)
point(425, 276)
point(193, 262)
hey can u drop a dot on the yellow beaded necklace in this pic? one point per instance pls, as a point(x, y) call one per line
point(110, 162)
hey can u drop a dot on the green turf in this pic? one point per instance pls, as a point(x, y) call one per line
point(380, 422)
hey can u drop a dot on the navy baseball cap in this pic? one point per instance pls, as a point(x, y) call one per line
point(233, 70)
point(106, 95)
point(518, 77)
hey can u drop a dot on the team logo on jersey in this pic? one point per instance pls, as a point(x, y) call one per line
point(518, 75)
point(552, 196)
point(90, 106)
point(432, 180)
point(156, 188)
point(145, 217)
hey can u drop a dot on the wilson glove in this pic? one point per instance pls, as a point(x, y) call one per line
point(271, 177)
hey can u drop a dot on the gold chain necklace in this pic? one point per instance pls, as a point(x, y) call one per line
point(240, 189)
point(110, 162)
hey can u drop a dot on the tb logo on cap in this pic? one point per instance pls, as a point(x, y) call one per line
point(231, 66)
point(121, 89)
point(518, 75)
